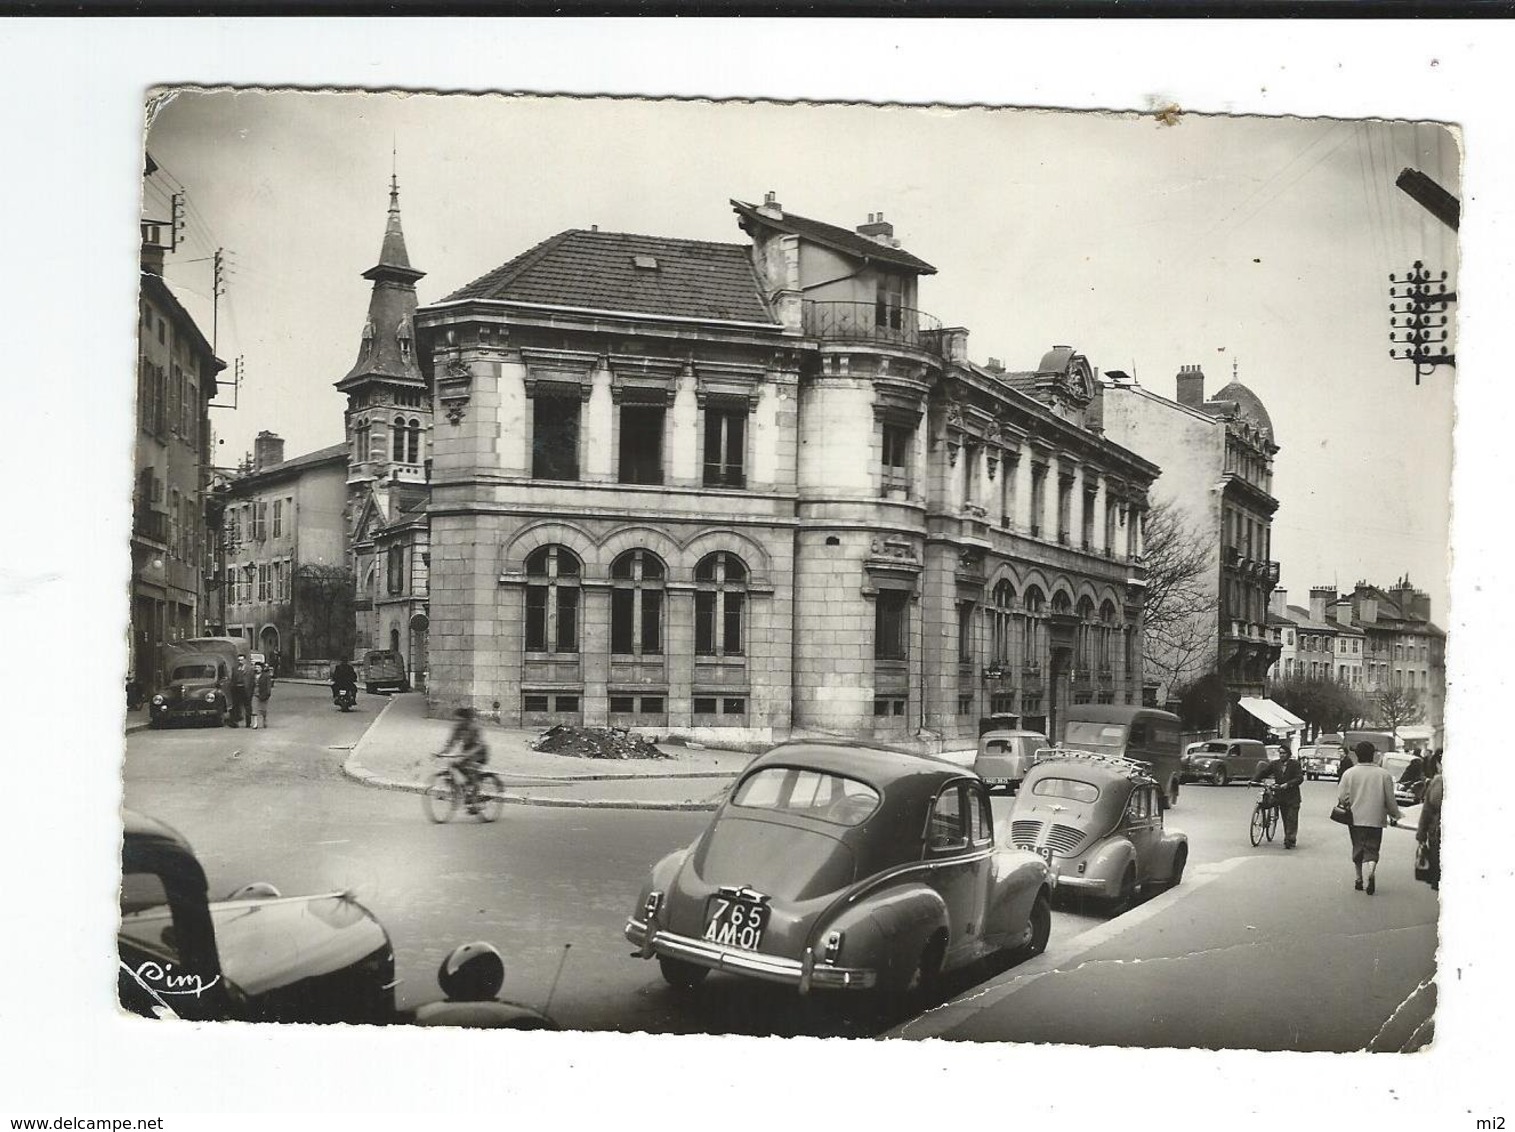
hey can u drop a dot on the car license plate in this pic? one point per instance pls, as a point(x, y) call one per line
point(735, 923)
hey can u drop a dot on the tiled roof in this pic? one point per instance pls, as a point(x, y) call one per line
point(618, 271)
point(335, 453)
point(841, 239)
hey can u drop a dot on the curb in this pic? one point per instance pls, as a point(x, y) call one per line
point(355, 770)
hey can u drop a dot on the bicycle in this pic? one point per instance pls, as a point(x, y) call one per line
point(481, 793)
point(1264, 816)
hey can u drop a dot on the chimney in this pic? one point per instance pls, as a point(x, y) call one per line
point(1420, 607)
point(994, 365)
point(1320, 597)
point(771, 207)
point(877, 228)
point(1191, 386)
point(1278, 602)
point(268, 450)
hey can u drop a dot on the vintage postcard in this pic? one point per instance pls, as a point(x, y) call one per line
point(790, 569)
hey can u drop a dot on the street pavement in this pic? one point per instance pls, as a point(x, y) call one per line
point(1257, 949)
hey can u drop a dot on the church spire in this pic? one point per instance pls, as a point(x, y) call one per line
point(387, 351)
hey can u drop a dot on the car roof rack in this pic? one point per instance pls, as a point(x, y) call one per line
point(1115, 763)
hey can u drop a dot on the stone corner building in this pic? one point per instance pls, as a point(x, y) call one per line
point(749, 490)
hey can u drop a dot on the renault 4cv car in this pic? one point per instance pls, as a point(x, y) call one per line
point(1097, 821)
point(847, 868)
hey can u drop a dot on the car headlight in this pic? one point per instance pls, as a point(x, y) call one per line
point(210, 697)
point(158, 699)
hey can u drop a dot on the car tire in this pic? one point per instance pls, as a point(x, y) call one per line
point(1180, 859)
point(1127, 894)
point(681, 975)
point(1221, 777)
point(1041, 927)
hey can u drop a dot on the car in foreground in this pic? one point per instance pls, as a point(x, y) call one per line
point(1320, 761)
point(1097, 821)
point(194, 692)
point(836, 867)
point(1219, 761)
point(258, 956)
point(384, 671)
point(1005, 756)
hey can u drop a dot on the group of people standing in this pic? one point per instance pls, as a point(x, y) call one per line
point(1367, 788)
point(249, 703)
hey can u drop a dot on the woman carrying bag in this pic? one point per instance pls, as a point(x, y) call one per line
point(1367, 790)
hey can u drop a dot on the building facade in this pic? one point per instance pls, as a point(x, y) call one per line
point(283, 568)
point(752, 490)
point(1216, 455)
point(1404, 652)
point(170, 546)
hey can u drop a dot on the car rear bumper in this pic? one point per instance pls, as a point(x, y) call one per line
point(1080, 883)
point(803, 974)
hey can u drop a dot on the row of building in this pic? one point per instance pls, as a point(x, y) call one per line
point(744, 491)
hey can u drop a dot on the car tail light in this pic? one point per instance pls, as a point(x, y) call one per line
point(653, 906)
point(832, 952)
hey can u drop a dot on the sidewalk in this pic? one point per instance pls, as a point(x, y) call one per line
point(395, 753)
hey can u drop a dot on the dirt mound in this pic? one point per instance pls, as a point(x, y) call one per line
point(595, 743)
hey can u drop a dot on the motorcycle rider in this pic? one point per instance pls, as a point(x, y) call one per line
point(344, 676)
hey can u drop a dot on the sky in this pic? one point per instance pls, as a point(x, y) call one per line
point(1259, 248)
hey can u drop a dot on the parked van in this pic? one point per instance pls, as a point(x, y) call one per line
point(1141, 734)
point(384, 671)
point(1004, 757)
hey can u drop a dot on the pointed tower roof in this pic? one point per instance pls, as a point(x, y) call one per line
point(388, 349)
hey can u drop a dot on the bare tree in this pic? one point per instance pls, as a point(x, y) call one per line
point(1181, 605)
point(324, 620)
point(1399, 707)
point(1326, 704)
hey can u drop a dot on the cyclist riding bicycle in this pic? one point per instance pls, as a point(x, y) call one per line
point(469, 741)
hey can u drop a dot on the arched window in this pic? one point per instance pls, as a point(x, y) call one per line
point(1107, 631)
point(1086, 631)
point(359, 441)
point(1034, 608)
point(397, 436)
point(413, 441)
point(552, 600)
point(720, 602)
point(636, 604)
point(1000, 621)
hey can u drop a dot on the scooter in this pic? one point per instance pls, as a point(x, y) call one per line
point(345, 698)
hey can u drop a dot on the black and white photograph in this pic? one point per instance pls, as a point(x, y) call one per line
point(874, 578)
point(878, 602)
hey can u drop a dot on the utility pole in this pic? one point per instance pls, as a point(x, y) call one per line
point(218, 289)
point(1418, 326)
point(1419, 300)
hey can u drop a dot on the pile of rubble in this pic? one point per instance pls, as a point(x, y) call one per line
point(595, 743)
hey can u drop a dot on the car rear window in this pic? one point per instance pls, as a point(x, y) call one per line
point(1065, 788)
point(813, 793)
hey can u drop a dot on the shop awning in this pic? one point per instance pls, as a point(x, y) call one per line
point(1275, 716)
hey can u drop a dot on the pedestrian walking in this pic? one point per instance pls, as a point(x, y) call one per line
point(1288, 774)
point(263, 689)
point(1428, 829)
point(1369, 790)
